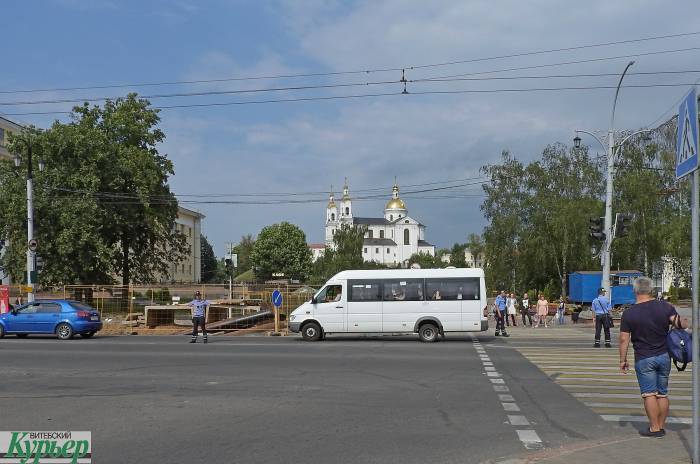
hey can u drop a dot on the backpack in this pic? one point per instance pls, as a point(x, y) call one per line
point(680, 347)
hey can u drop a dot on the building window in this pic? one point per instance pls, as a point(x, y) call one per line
point(2, 137)
point(333, 217)
point(371, 233)
point(365, 250)
point(381, 234)
point(406, 221)
point(406, 237)
point(189, 231)
point(388, 251)
point(391, 217)
point(190, 269)
point(376, 250)
point(347, 211)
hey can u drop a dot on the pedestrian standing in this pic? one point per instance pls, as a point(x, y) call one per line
point(646, 324)
point(512, 311)
point(542, 311)
point(602, 307)
point(199, 316)
point(501, 314)
point(525, 309)
point(561, 309)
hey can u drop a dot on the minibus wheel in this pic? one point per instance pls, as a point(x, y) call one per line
point(311, 332)
point(428, 332)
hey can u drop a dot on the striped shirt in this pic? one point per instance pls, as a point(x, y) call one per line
point(199, 306)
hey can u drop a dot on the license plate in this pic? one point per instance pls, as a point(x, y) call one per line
point(95, 318)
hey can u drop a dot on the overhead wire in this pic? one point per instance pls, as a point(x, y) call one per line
point(360, 71)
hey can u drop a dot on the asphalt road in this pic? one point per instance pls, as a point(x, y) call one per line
point(268, 400)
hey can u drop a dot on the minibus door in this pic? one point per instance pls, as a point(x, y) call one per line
point(330, 308)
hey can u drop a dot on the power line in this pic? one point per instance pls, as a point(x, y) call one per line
point(351, 72)
point(340, 85)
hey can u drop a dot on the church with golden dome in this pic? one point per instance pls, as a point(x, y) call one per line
point(391, 239)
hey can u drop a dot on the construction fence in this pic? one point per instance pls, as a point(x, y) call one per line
point(163, 309)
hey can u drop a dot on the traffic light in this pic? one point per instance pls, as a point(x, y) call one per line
point(229, 265)
point(595, 226)
point(623, 222)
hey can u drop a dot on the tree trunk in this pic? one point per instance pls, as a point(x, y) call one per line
point(126, 269)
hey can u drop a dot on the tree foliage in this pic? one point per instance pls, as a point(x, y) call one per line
point(209, 263)
point(244, 249)
point(103, 206)
point(281, 248)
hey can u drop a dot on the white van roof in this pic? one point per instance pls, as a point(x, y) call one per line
point(409, 273)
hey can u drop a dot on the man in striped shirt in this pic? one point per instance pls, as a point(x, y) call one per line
point(199, 315)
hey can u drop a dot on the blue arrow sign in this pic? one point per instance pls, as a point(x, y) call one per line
point(277, 298)
point(687, 137)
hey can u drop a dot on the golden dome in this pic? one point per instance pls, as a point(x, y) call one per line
point(331, 204)
point(395, 203)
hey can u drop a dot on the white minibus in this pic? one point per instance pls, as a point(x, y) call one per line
point(429, 302)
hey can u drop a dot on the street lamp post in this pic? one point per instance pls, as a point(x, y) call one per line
point(31, 254)
point(611, 149)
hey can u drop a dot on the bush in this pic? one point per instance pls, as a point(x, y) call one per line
point(684, 293)
point(673, 294)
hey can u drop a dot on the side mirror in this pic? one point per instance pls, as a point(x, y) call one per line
point(313, 300)
point(14, 312)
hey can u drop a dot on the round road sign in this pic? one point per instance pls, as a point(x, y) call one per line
point(33, 244)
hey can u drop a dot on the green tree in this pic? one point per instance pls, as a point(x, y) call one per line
point(346, 254)
point(244, 249)
point(426, 261)
point(103, 206)
point(457, 258)
point(475, 245)
point(209, 263)
point(281, 248)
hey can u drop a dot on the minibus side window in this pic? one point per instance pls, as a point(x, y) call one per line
point(403, 290)
point(365, 290)
point(452, 289)
point(330, 293)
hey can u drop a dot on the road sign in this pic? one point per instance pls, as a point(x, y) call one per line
point(277, 298)
point(26, 288)
point(687, 136)
point(33, 244)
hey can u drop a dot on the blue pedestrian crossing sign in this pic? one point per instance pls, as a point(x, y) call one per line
point(687, 137)
point(277, 298)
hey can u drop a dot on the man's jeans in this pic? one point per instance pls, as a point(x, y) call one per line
point(198, 321)
point(652, 375)
point(600, 323)
point(500, 321)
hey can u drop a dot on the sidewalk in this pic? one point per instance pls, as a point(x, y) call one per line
point(628, 448)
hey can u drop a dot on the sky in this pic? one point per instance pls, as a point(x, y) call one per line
point(308, 146)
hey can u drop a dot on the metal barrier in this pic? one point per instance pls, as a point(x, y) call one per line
point(162, 309)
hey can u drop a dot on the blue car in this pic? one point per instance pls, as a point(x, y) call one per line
point(63, 318)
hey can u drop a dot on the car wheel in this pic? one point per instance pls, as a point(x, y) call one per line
point(2, 331)
point(64, 331)
point(87, 335)
point(428, 333)
point(311, 332)
point(21, 335)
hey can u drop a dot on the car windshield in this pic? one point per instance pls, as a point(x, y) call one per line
point(81, 306)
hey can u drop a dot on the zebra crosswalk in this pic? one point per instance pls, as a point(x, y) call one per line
point(592, 376)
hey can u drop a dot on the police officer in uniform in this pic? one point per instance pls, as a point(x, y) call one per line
point(199, 316)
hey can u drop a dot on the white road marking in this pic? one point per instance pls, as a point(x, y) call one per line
point(518, 420)
point(500, 388)
point(493, 374)
point(530, 439)
point(637, 406)
point(490, 369)
point(512, 407)
point(506, 397)
point(623, 395)
point(670, 420)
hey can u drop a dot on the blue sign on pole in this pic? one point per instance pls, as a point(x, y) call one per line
point(687, 137)
point(277, 298)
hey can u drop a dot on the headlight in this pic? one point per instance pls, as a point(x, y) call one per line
point(292, 317)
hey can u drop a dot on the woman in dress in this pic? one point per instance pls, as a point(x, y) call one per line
point(542, 311)
point(512, 303)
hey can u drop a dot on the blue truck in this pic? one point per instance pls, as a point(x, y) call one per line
point(584, 285)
